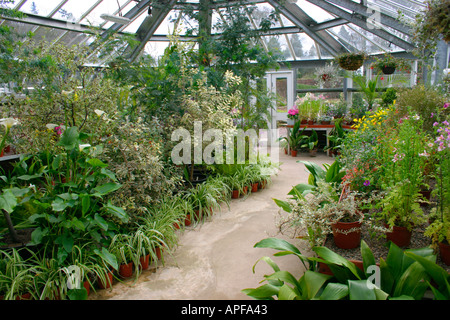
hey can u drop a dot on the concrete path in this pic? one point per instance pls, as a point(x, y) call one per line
point(214, 260)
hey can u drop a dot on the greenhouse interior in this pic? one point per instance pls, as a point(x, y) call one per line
point(225, 150)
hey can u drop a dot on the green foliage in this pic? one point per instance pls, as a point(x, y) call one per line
point(422, 100)
point(296, 137)
point(389, 96)
point(71, 210)
point(368, 88)
point(403, 275)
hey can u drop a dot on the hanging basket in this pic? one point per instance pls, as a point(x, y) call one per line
point(351, 62)
point(388, 70)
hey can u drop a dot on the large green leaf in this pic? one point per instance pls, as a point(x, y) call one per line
point(264, 292)
point(77, 294)
point(117, 211)
point(437, 273)
point(301, 188)
point(386, 276)
point(97, 163)
point(283, 205)
point(334, 291)
point(108, 257)
point(106, 188)
point(8, 201)
point(69, 139)
point(411, 282)
point(361, 290)
point(311, 282)
point(367, 256)
point(333, 258)
point(284, 246)
point(85, 203)
point(287, 293)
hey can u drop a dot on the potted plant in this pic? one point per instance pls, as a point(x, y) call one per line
point(336, 137)
point(434, 23)
point(351, 61)
point(327, 75)
point(311, 143)
point(292, 115)
point(294, 138)
point(346, 220)
point(400, 212)
point(387, 64)
point(122, 246)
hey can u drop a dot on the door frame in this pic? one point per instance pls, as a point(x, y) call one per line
point(271, 78)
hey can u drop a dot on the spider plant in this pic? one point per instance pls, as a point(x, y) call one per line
point(16, 276)
point(145, 241)
point(219, 188)
point(203, 200)
point(162, 217)
point(122, 247)
point(51, 279)
point(235, 183)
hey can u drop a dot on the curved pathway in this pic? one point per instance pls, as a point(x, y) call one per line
point(214, 260)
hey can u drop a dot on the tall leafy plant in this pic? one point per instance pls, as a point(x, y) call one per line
point(73, 210)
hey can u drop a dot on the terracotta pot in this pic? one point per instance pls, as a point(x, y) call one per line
point(304, 121)
point(401, 236)
point(25, 296)
point(262, 184)
point(245, 190)
point(109, 281)
point(343, 235)
point(187, 220)
point(311, 122)
point(313, 153)
point(235, 194)
point(324, 269)
point(87, 286)
point(293, 153)
point(285, 151)
point(144, 262)
point(126, 270)
point(255, 187)
point(444, 251)
point(158, 253)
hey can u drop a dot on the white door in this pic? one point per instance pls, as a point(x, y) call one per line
point(281, 84)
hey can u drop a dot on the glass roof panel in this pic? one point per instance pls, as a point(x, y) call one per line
point(316, 13)
point(41, 8)
point(302, 45)
point(73, 10)
point(106, 6)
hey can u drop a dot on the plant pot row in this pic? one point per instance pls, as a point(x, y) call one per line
point(401, 236)
point(312, 153)
point(254, 188)
point(126, 270)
